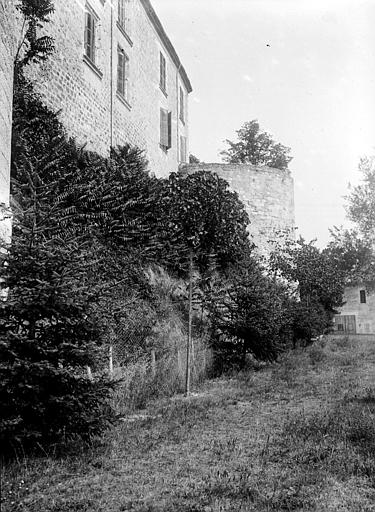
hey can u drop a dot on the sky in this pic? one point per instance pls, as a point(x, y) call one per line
point(304, 68)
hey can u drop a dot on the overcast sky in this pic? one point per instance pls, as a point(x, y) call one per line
point(304, 68)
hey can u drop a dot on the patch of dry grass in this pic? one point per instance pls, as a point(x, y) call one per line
point(295, 436)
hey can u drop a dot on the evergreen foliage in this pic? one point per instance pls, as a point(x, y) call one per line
point(251, 317)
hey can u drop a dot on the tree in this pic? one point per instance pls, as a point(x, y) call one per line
point(353, 254)
point(316, 279)
point(48, 334)
point(256, 148)
point(361, 200)
point(198, 212)
point(250, 317)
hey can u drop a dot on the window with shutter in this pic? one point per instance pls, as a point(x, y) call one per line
point(123, 17)
point(163, 76)
point(90, 29)
point(165, 129)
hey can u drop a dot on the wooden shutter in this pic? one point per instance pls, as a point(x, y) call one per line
point(182, 105)
point(163, 127)
point(90, 36)
point(169, 130)
point(120, 71)
point(182, 149)
point(162, 72)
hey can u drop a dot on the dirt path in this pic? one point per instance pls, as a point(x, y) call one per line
point(272, 439)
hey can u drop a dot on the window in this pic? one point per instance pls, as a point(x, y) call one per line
point(90, 33)
point(123, 14)
point(165, 129)
point(362, 296)
point(182, 149)
point(163, 76)
point(182, 105)
point(122, 74)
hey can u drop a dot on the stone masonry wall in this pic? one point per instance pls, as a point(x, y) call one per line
point(268, 196)
point(7, 52)
point(89, 107)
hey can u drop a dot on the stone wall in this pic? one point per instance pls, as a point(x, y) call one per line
point(7, 52)
point(7, 49)
point(364, 312)
point(86, 97)
point(268, 196)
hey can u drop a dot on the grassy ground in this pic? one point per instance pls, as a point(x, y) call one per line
point(298, 435)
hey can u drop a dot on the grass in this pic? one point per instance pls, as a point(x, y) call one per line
point(298, 435)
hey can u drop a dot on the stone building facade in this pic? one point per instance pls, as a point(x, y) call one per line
point(268, 196)
point(7, 53)
point(115, 77)
point(357, 315)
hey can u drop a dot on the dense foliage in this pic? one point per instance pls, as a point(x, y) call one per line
point(198, 212)
point(250, 316)
point(256, 148)
point(318, 281)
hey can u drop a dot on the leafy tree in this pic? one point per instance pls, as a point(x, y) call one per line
point(318, 281)
point(353, 254)
point(256, 148)
point(361, 200)
point(198, 212)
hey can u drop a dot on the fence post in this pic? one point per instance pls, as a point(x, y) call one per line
point(110, 357)
point(89, 373)
point(188, 344)
point(153, 362)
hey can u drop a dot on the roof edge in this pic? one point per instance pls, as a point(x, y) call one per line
point(167, 42)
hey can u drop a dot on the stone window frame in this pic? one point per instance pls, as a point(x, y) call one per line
point(90, 50)
point(163, 73)
point(362, 296)
point(123, 19)
point(123, 88)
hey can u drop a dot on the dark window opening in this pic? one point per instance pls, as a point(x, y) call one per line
point(362, 296)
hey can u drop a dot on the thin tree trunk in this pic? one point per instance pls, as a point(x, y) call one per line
point(189, 339)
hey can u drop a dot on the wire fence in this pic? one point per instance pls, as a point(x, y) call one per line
point(147, 352)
